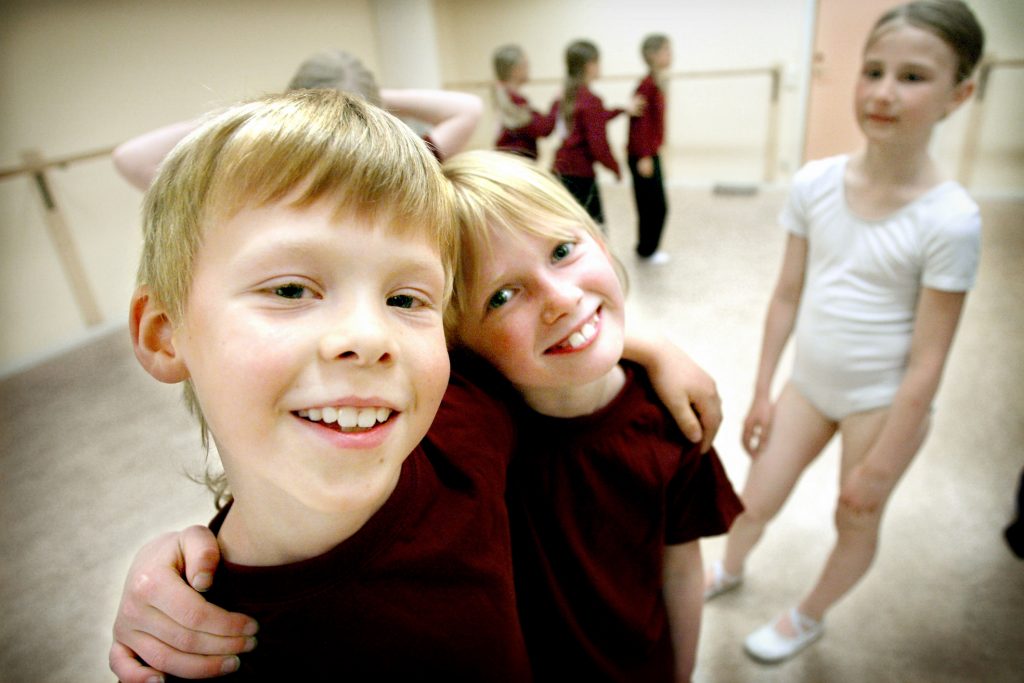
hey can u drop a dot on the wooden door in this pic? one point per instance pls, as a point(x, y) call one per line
point(841, 26)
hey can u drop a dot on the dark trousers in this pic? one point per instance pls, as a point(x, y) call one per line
point(586, 193)
point(651, 206)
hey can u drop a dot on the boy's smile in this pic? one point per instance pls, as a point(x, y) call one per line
point(316, 348)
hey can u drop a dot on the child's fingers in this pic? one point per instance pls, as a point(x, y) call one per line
point(162, 658)
point(198, 547)
point(169, 595)
point(128, 669)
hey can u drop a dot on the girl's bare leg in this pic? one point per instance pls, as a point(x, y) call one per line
point(799, 433)
point(857, 532)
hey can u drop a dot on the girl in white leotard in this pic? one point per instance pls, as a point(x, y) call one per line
point(881, 251)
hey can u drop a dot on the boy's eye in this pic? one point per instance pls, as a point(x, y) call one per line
point(499, 298)
point(290, 291)
point(562, 251)
point(403, 301)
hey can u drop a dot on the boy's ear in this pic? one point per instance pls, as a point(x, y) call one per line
point(153, 338)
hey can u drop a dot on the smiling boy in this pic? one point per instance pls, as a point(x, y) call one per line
point(296, 265)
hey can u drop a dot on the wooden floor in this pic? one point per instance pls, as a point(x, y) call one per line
point(93, 456)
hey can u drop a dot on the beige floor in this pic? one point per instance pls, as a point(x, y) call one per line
point(92, 455)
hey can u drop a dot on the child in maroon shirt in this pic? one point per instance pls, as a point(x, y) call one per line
point(586, 141)
point(521, 125)
point(646, 133)
point(607, 499)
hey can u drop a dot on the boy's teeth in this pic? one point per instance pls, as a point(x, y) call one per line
point(347, 417)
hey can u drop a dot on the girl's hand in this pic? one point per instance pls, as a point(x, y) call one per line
point(865, 490)
point(636, 106)
point(645, 167)
point(757, 426)
point(167, 623)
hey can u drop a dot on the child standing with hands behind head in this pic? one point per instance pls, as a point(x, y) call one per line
point(882, 249)
point(521, 125)
point(586, 119)
point(646, 133)
point(607, 499)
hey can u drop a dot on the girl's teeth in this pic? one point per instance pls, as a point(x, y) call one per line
point(577, 339)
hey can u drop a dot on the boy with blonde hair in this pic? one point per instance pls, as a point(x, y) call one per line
point(297, 261)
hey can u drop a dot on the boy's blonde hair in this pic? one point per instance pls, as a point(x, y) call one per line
point(500, 192)
point(322, 144)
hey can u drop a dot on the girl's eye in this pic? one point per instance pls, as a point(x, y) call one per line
point(562, 251)
point(499, 298)
point(290, 291)
point(403, 301)
point(913, 77)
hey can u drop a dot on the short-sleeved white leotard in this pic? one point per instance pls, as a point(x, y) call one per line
point(862, 282)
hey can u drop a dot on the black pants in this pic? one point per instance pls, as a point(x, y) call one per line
point(651, 207)
point(586, 193)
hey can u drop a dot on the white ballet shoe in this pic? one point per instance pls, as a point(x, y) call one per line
point(767, 645)
point(721, 581)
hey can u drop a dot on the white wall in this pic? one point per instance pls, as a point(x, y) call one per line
point(77, 76)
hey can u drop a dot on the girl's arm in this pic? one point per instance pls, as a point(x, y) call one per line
point(778, 326)
point(453, 115)
point(138, 159)
point(688, 392)
point(870, 482)
point(166, 622)
point(684, 600)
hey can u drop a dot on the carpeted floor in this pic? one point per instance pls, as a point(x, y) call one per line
point(93, 456)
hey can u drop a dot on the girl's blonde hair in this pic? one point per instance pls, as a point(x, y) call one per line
point(324, 145)
point(498, 192)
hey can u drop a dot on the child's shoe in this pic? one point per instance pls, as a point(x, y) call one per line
point(721, 581)
point(767, 645)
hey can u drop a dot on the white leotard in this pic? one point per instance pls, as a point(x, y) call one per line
point(862, 282)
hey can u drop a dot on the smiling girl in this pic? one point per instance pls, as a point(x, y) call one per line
point(607, 499)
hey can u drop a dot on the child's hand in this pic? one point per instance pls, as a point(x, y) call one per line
point(165, 622)
point(637, 105)
point(645, 167)
point(757, 426)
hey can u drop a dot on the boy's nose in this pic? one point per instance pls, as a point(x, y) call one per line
point(361, 339)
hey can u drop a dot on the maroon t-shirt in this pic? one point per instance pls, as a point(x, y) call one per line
point(587, 141)
point(647, 131)
point(423, 591)
point(593, 502)
point(524, 140)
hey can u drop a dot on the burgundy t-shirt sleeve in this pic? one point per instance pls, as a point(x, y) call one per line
point(701, 499)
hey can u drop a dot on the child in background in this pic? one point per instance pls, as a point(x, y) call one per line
point(882, 249)
point(607, 499)
point(521, 125)
point(296, 264)
point(451, 116)
point(646, 134)
point(586, 119)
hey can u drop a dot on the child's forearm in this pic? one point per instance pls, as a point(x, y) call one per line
point(684, 599)
point(139, 159)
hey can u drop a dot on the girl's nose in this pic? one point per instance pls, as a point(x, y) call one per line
point(560, 298)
